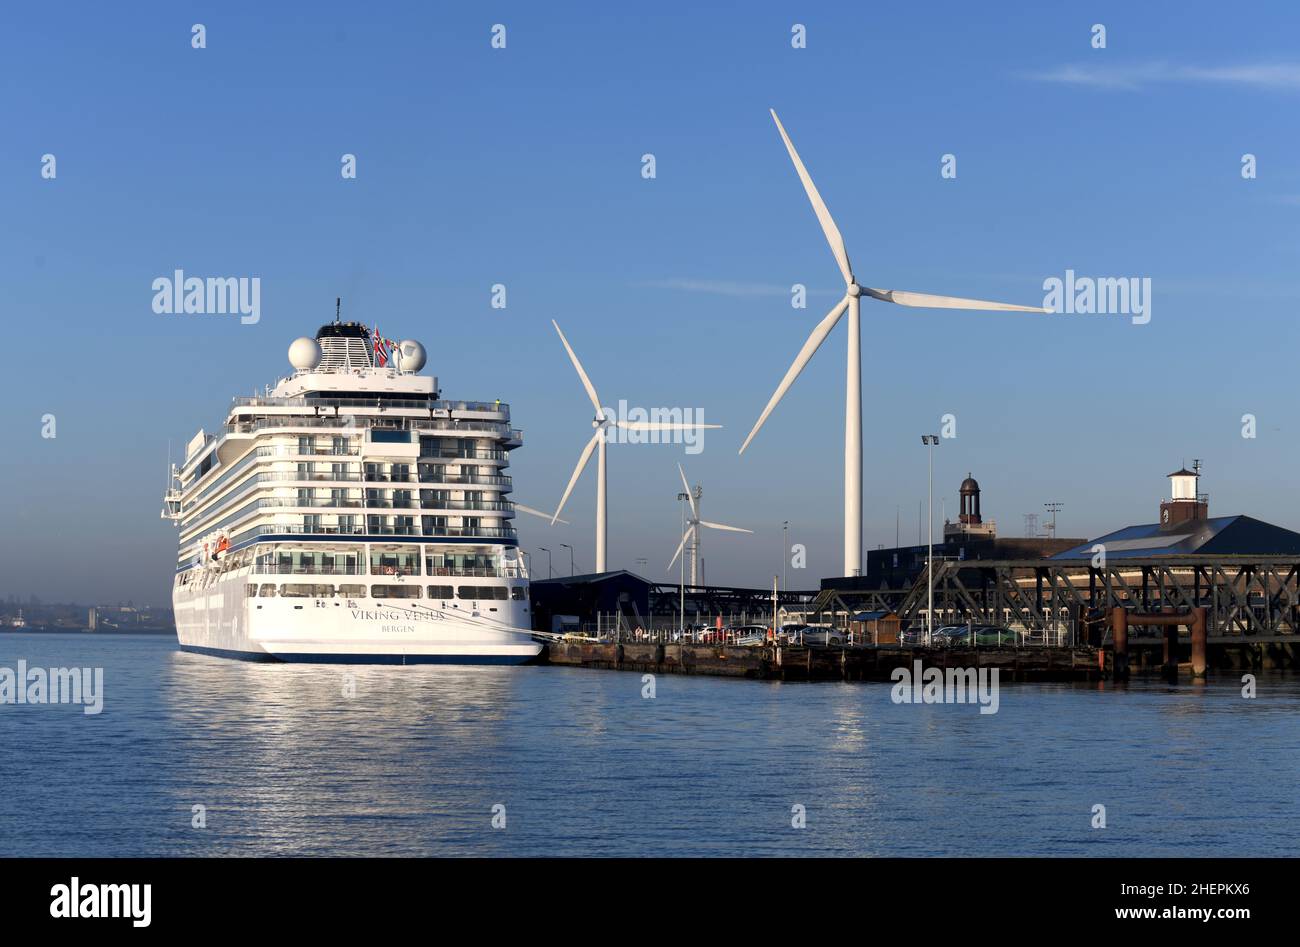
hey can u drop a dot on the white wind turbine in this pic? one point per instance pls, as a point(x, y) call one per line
point(693, 533)
point(853, 396)
point(602, 423)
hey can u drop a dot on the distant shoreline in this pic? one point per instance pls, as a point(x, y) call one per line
point(55, 629)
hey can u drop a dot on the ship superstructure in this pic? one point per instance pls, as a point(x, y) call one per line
point(352, 514)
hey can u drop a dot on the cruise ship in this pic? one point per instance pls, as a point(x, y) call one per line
point(352, 515)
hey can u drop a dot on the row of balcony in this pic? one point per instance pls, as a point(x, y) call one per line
point(442, 453)
point(423, 404)
point(366, 477)
point(352, 422)
point(379, 503)
point(467, 532)
point(281, 568)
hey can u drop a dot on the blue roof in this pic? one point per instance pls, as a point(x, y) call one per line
point(1220, 535)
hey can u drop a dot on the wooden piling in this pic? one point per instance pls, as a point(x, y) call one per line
point(1199, 635)
point(1119, 631)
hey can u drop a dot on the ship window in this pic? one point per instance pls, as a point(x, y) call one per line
point(268, 591)
point(517, 593)
point(495, 592)
point(251, 590)
point(381, 436)
point(395, 591)
point(441, 591)
point(299, 590)
point(352, 591)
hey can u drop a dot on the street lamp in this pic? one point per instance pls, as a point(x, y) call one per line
point(550, 573)
point(931, 441)
point(570, 548)
point(682, 498)
point(785, 554)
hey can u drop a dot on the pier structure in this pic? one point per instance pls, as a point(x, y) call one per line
point(1251, 603)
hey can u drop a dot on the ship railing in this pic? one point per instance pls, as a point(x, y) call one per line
point(479, 573)
point(348, 422)
point(321, 476)
point(420, 403)
point(442, 453)
point(359, 503)
point(273, 568)
point(288, 450)
point(467, 532)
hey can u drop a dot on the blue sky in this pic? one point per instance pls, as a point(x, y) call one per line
point(522, 166)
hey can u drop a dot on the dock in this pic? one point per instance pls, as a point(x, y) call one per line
point(825, 662)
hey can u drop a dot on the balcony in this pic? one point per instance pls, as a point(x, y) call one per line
point(423, 404)
point(470, 532)
point(354, 423)
point(378, 503)
point(328, 476)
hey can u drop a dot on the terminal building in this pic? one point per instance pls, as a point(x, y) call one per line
point(1185, 528)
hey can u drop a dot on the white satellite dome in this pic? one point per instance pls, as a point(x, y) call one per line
point(304, 353)
point(411, 355)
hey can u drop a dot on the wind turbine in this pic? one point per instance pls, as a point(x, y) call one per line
point(693, 532)
point(602, 423)
point(853, 395)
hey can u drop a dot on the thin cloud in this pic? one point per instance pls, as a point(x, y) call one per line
point(1271, 76)
point(723, 288)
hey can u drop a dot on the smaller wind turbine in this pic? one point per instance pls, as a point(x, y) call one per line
point(692, 533)
point(602, 423)
point(546, 516)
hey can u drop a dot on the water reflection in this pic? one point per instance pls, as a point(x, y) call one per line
point(414, 762)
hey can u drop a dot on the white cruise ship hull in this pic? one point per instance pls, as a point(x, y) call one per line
point(221, 620)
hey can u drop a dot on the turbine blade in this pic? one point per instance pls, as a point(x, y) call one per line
point(528, 509)
point(815, 340)
point(660, 425)
point(681, 545)
point(927, 301)
point(732, 529)
point(695, 510)
point(586, 382)
point(577, 472)
point(832, 232)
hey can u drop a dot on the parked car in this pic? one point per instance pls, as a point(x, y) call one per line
point(985, 636)
point(912, 637)
point(945, 636)
point(823, 634)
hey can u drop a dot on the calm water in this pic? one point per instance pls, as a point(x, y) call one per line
point(414, 763)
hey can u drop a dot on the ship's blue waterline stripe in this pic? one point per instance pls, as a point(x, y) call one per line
point(308, 658)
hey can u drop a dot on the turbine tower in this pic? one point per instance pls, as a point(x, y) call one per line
point(602, 423)
point(851, 302)
point(693, 525)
